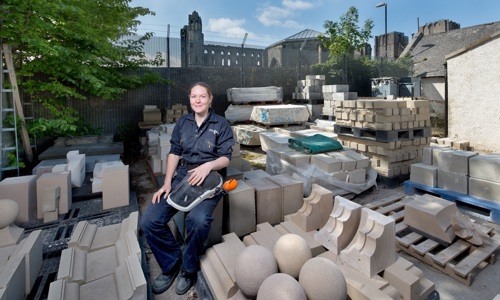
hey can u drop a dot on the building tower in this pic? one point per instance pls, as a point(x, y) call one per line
point(192, 42)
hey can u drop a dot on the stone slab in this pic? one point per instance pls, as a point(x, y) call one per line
point(453, 181)
point(484, 189)
point(424, 174)
point(280, 114)
point(486, 167)
point(21, 189)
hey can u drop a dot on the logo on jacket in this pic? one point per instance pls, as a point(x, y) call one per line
point(214, 131)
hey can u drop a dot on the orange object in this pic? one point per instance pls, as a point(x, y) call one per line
point(230, 185)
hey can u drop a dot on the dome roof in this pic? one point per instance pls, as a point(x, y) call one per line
point(307, 34)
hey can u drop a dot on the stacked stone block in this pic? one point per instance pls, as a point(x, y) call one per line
point(392, 133)
point(332, 93)
point(174, 113)
point(465, 172)
point(151, 114)
point(309, 90)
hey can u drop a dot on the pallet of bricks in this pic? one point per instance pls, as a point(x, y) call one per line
point(393, 133)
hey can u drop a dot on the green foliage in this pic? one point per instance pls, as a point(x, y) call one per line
point(61, 127)
point(344, 37)
point(78, 46)
point(13, 162)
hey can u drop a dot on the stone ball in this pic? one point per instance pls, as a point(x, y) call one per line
point(291, 252)
point(254, 264)
point(322, 279)
point(9, 210)
point(281, 286)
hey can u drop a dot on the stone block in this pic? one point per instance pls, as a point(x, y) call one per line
point(424, 174)
point(218, 266)
point(73, 265)
point(50, 198)
point(484, 189)
point(83, 236)
point(456, 161)
point(21, 189)
point(357, 176)
point(215, 234)
point(265, 236)
point(268, 200)
point(486, 167)
point(315, 210)
point(51, 216)
point(101, 166)
point(335, 88)
point(408, 280)
point(62, 289)
point(341, 227)
point(115, 190)
point(76, 165)
point(293, 191)
point(271, 139)
point(12, 279)
point(239, 207)
point(30, 249)
point(348, 163)
point(432, 216)
point(436, 156)
point(362, 162)
point(255, 174)
point(237, 163)
point(453, 181)
point(374, 247)
point(233, 173)
point(326, 163)
point(155, 163)
point(247, 134)
point(279, 114)
point(62, 180)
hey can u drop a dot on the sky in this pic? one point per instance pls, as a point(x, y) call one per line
point(269, 21)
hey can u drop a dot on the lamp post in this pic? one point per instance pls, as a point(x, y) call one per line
point(384, 4)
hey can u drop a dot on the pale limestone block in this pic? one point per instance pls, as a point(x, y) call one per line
point(293, 191)
point(266, 236)
point(335, 88)
point(280, 114)
point(155, 163)
point(315, 210)
point(424, 174)
point(96, 185)
point(268, 200)
point(362, 162)
point(326, 163)
point(83, 236)
point(456, 161)
point(73, 265)
point(240, 206)
point(255, 174)
point(21, 189)
point(218, 265)
point(60, 168)
point(271, 139)
point(104, 288)
point(116, 190)
point(233, 173)
point(486, 167)
point(215, 234)
point(357, 176)
point(341, 227)
point(453, 181)
point(431, 216)
point(50, 198)
point(30, 249)
point(484, 189)
point(100, 263)
point(62, 289)
point(100, 166)
point(51, 216)
point(76, 165)
point(247, 134)
point(435, 154)
point(373, 248)
point(408, 280)
point(348, 163)
point(12, 277)
point(62, 180)
point(106, 236)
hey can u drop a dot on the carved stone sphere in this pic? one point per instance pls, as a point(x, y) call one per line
point(291, 252)
point(281, 286)
point(252, 267)
point(9, 210)
point(321, 279)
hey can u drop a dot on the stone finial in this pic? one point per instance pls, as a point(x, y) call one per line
point(252, 267)
point(291, 252)
point(281, 286)
point(321, 278)
point(10, 234)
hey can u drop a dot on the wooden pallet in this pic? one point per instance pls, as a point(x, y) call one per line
point(460, 260)
point(383, 135)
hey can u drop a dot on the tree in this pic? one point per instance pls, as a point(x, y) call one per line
point(343, 38)
point(77, 46)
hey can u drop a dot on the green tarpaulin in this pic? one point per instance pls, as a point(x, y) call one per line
point(317, 143)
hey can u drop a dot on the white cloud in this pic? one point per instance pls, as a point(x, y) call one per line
point(228, 28)
point(281, 16)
